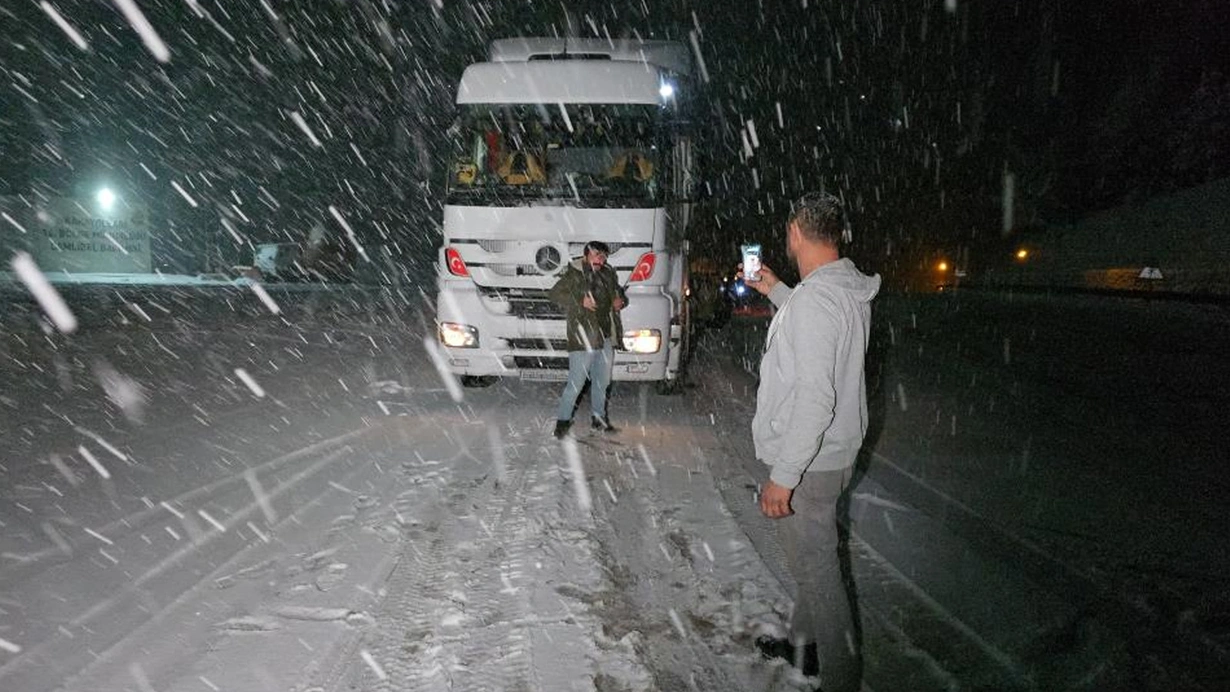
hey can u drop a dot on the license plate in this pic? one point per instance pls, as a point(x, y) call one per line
point(544, 375)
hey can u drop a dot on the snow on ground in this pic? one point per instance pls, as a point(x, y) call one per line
point(344, 524)
point(201, 494)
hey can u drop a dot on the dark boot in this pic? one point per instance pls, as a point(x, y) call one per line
point(561, 428)
point(601, 423)
point(806, 658)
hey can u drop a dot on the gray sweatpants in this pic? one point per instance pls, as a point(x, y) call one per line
point(821, 606)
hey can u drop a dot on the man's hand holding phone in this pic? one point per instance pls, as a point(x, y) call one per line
point(764, 283)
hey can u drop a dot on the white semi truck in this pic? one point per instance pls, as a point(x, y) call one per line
point(560, 141)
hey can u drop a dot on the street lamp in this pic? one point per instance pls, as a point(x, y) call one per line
point(106, 199)
point(1022, 254)
point(942, 266)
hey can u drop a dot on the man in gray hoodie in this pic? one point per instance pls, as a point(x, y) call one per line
point(811, 416)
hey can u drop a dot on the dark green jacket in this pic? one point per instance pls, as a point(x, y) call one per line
point(588, 328)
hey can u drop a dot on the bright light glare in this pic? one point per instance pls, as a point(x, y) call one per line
point(106, 199)
point(667, 90)
point(643, 340)
point(1022, 254)
point(943, 266)
point(456, 335)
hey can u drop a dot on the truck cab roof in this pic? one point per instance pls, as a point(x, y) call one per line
point(560, 82)
point(667, 55)
point(574, 70)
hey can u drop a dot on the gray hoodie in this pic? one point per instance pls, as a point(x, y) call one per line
point(811, 407)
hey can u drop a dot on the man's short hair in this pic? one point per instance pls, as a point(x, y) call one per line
point(820, 217)
point(597, 246)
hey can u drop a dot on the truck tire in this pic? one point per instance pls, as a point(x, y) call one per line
point(669, 387)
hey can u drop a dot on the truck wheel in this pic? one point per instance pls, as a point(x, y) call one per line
point(669, 387)
point(477, 381)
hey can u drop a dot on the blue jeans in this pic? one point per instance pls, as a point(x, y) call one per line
point(595, 366)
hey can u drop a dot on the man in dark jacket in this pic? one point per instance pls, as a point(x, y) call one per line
point(590, 294)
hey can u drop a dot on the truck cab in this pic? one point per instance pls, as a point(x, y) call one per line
point(558, 142)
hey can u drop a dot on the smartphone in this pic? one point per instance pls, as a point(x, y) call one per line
point(751, 262)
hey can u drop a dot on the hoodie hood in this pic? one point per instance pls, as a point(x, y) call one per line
point(844, 275)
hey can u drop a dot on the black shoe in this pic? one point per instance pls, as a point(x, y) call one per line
point(603, 424)
point(561, 428)
point(806, 658)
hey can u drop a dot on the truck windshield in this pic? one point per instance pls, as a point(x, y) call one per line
point(603, 155)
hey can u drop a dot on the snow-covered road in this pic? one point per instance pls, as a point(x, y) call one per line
point(332, 519)
point(200, 495)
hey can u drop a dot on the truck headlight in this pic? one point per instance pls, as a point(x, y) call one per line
point(643, 340)
point(456, 335)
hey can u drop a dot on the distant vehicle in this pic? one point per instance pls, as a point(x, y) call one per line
point(745, 300)
point(739, 291)
point(277, 260)
point(321, 257)
point(560, 141)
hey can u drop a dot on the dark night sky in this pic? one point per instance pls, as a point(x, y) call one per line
point(912, 111)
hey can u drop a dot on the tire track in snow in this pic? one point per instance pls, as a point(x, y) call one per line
point(421, 621)
point(498, 651)
point(148, 447)
point(480, 606)
point(64, 645)
point(105, 646)
point(673, 592)
point(38, 562)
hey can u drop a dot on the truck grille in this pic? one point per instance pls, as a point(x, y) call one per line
point(540, 363)
point(538, 344)
point(525, 302)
